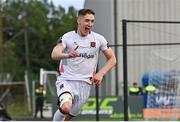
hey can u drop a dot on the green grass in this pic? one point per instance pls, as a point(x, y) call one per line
point(18, 110)
point(17, 106)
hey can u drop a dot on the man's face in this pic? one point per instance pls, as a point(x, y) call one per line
point(85, 24)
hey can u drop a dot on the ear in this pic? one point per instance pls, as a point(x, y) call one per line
point(78, 20)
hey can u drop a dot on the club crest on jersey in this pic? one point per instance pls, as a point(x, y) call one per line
point(61, 86)
point(93, 44)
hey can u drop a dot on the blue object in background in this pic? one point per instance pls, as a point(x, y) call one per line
point(157, 79)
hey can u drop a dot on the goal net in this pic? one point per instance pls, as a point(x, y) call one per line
point(164, 102)
point(48, 79)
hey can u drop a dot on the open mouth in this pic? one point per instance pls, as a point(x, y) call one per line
point(87, 29)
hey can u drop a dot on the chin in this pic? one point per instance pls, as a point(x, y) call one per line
point(85, 34)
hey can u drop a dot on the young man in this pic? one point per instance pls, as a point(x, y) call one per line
point(79, 51)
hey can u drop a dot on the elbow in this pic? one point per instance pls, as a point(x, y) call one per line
point(53, 56)
point(114, 60)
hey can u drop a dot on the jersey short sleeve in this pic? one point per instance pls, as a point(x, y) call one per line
point(63, 40)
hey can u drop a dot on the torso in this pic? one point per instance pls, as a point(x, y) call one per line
point(83, 66)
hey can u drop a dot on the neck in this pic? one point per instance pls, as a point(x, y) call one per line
point(79, 32)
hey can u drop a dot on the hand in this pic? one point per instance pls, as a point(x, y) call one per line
point(73, 53)
point(97, 78)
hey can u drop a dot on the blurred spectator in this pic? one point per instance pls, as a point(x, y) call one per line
point(135, 89)
point(40, 96)
point(150, 88)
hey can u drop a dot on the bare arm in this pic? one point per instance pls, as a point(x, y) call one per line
point(111, 61)
point(58, 53)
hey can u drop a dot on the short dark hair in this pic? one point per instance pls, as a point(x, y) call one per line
point(83, 12)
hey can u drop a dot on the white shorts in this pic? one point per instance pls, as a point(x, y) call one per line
point(80, 91)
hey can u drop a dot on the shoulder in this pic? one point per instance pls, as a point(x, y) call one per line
point(97, 35)
point(100, 38)
point(69, 34)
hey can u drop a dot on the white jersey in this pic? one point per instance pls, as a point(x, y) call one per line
point(82, 67)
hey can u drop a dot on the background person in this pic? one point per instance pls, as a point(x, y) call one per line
point(40, 96)
point(135, 89)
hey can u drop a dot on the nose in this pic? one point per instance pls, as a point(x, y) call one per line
point(90, 23)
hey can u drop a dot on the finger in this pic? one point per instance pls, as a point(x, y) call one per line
point(74, 53)
point(98, 82)
point(76, 47)
point(94, 82)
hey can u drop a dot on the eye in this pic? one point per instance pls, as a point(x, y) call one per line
point(86, 20)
